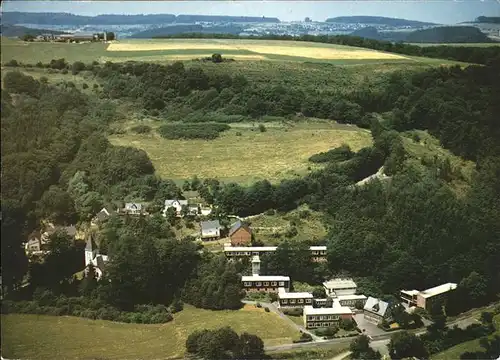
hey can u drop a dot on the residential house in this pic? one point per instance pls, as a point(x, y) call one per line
point(102, 215)
point(424, 299)
point(133, 209)
point(339, 287)
point(266, 283)
point(38, 240)
point(294, 299)
point(176, 205)
point(325, 316)
point(240, 234)
point(210, 230)
point(376, 310)
point(92, 256)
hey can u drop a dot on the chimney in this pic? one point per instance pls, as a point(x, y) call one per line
point(256, 265)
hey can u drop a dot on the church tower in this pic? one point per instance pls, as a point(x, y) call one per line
point(90, 250)
point(256, 265)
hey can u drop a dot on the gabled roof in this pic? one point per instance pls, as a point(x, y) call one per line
point(237, 225)
point(133, 206)
point(210, 225)
point(90, 245)
point(376, 306)
point(171, 202)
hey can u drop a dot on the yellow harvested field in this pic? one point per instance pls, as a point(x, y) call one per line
point(280, 48)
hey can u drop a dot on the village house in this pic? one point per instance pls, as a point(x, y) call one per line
point(340, 287)
point(240, 234)
point(294, 299)
point(102, 215)
point(38, 240)
point(238, 252)
point(424, 299)
point(210, 230)
point(133, 209)
point(94, 258)
point(325, 316)
point(376, 310)
point(257, 282)
point(176, 205)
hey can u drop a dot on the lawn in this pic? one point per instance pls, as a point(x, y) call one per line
point(52, 337)
point(280, 152)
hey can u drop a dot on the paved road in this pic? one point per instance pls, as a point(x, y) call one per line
point(378, 342)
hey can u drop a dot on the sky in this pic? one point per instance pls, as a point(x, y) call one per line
point(440, 11)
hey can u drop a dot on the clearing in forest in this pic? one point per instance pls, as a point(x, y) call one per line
point(244, 154)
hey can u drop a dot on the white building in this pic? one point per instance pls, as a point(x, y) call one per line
point(326, 316)
point(423, 299)
point(210, 230)
point(175, 204)
point(93, 257)
point(294, 299)
point(266, 283)
point(340, 287)
point(234, 252)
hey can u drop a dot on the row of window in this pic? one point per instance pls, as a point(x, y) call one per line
point(319, 324)
point(322, 317)
point(321, 252)
point(292, 301)
point(266, 283)
point(248, 253)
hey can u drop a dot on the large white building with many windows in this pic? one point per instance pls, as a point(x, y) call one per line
point(266, 283)
point(325, 316)
point(340, 287)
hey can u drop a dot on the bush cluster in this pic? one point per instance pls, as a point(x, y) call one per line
point(207, 131)
point(88, 308)
point(341, 153)
point(141, 129)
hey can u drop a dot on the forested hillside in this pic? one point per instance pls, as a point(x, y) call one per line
point(410, 231)
point(448, 34)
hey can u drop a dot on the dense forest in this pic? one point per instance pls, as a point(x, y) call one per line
point(476, 55)
point(411, 231)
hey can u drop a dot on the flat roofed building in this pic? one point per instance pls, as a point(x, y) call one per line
point(423, 299)
point(352, 300)
point(325, 317)
point(294, 299)
point(317, 252)
point(340, 287)
point(266, 283)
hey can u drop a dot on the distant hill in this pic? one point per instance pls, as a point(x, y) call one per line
point(488, 19)
point(379, 20)
point(449, 34)
point(15, 17)
point(368, 32)
point(17, 31)
point(183, 29)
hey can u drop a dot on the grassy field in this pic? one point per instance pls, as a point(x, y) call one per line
point(280, 152)
point(271, 229)
point(186, 49)
point(50, 337)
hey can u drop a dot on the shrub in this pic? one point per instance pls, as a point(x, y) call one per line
point(12, 62)
point(329, 331)
point(347, 324)
point(64, 71)
point(141, 129)
point(39, 64)
point(160, 318)
point(85, 86)
point(293, 312)
point(238, 133)
point(270, 212)
point(262, 128)
point(259, 305)
point(208, 131)
point(266, 309)
point(77, 67)
point(341, 153)
point(96, 86)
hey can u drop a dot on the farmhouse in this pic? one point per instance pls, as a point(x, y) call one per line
point(325, 317)
point(424, 299)
point(238, 252)
point(176, 205)
point(294, 299)
point(101, 216)
point(210, 230)
point(257, 282)
point(92, 257)
point(38, 240)
point(375, 310)
point(339, 287)
point(240, 234)
point(133, 209)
